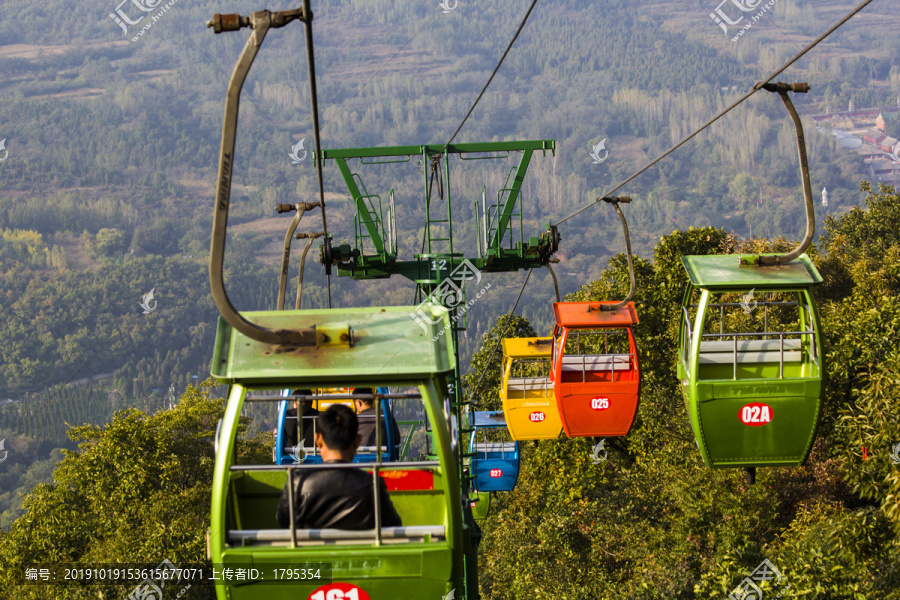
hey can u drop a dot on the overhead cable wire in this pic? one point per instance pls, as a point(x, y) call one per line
point(466, 118)
point(313, 98)
point(497, 68)
point(721, 114)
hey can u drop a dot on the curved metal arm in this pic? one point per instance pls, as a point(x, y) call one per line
point(310, 237)
point(615, 203)
point(553, 275)
point(301, 209)
point(782, 89)
point(260, 22)
point(286, 254)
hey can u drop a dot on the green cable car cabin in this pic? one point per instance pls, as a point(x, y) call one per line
point(751, 359)
point(364, 347)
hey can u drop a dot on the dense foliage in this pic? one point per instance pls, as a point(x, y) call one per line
point(136, 491)
point(649, 522)
point(653, 522)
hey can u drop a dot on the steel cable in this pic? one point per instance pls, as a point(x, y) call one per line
point(734, 105)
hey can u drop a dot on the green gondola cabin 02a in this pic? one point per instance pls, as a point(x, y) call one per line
point(751, 359)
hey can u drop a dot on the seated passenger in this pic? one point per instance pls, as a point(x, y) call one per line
point(366, 410)
point(305, 423)
point(336, 498)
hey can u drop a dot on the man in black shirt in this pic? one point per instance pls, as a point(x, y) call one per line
point(336, 498)
point(366, 412)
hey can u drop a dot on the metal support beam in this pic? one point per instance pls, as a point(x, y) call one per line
point(362, 208)
point(471, 148)
point(534, 252)
point(511, 199)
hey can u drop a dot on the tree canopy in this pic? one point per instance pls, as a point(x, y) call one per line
point(135, 491)
point(652, 522)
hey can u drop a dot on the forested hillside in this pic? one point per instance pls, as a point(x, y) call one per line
point(111, 145)
point(648, 522)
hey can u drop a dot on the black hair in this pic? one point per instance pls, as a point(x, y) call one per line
point(306, 402)
point(338, 426)
point(366, 401)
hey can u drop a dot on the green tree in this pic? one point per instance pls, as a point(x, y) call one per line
point(110, 242)
point(135, 491)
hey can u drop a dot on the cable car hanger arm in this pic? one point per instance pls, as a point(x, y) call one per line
point(309, 240)
point(260, 22)
point(615, 203)
point(782, 90)
point(301, 208)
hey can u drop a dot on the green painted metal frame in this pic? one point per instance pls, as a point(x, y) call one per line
point(531, 253)
point(382, 348)
point(796, 400)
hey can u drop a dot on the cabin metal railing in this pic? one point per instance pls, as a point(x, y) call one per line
point(605, 333)
point(541, 382)
point(486, 444)
point(780, 335)
point(295, 450)
point(408, 532)
point(376, 466)
point(614, 357)
point(328, 397)
point(430, 465)
point(765, 305)
point(766, 334)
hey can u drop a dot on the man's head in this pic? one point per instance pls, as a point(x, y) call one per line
point(306, 403)
point(337, 433)
point(363, 403)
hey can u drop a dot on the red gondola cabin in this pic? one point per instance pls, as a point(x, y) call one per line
point(595, 368)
